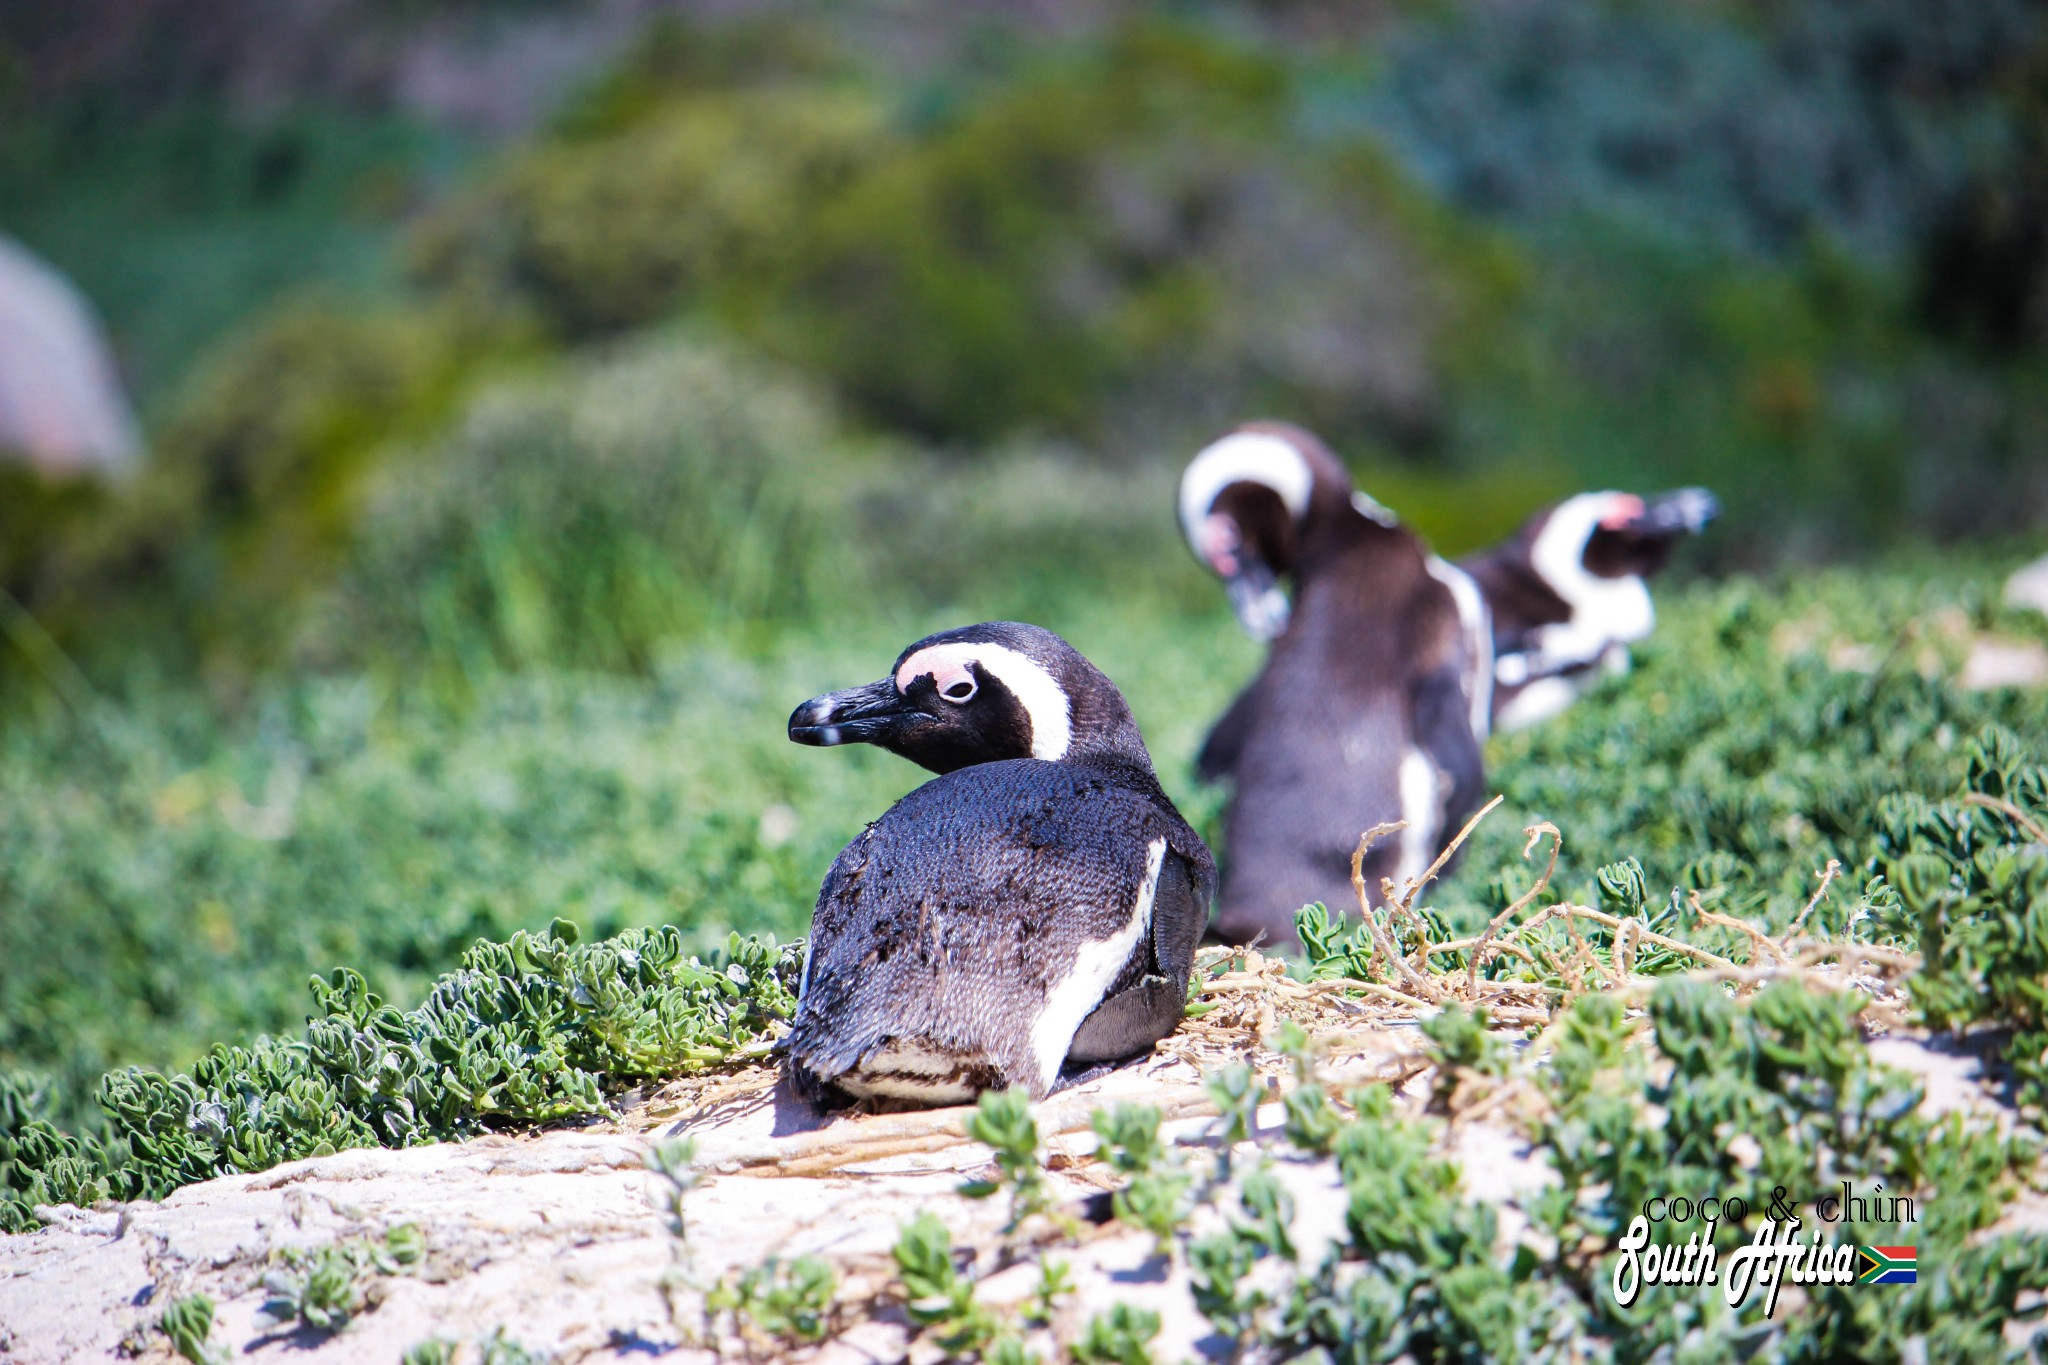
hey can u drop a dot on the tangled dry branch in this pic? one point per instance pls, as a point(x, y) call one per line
point(1409, 975)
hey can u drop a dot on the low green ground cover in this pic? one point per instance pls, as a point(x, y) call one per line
point(1423, 1272)
point(658, 814)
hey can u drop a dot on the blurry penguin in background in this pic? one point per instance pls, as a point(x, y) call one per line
point(1036, 904)
point(1375, 692)
point(1567, 596)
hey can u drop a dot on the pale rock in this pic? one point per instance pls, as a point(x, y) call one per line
point(2028, 586)
point(1994, 663)
point(561, 1236)
point(61, 404)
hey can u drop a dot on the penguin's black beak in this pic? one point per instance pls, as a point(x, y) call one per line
point(1684, 511)
point(1639, 535)
point(1256, 597)
point(857, 715)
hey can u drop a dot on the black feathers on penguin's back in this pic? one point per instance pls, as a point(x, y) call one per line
point(1012, 911)
point(957, 916)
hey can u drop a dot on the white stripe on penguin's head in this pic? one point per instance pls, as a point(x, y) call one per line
point(1037, 691)
point(1243, 457)
point(1620, 606)
point(1559, 553)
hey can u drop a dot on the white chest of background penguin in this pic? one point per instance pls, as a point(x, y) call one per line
point(1038, 902)
point(1373, 697)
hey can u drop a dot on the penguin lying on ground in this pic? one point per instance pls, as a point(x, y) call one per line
point(1567, 595)
point(1037, 903)
point(1374, 695)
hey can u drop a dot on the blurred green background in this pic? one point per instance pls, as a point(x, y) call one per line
point(541, 398)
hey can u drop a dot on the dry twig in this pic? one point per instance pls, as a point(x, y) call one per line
point(2010, 812)
point(1827, 877)
point(1384, 947)
point(1535, 832)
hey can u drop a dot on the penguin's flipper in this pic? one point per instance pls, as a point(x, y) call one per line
point(1129, 1022)
point(1133, 1019)
point(1180, 912)
point(1220, 751)
point(1443, 730)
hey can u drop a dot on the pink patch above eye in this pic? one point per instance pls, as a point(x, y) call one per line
point(1622, 509)
point(1220, 541)
point(947, 665)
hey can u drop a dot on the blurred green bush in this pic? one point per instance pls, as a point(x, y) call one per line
point(1002, 259)
point(182, 216)
point(1491, 274)
point(253, 490)
point(700, 197)
point(634, 499)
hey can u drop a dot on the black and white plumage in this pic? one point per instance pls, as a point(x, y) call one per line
point(1567, 594)
point(1037, 903)
point(1374, 695)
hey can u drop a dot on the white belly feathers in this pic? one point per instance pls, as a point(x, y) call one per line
point(1075, 996)
point(1421, 807)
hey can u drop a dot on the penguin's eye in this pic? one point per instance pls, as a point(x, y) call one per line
point(959, 690)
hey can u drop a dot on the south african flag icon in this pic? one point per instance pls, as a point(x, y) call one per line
point(1890, 1265)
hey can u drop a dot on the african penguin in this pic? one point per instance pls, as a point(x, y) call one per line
point(1037, 903)
point(1567, 595)
point(1374, 694)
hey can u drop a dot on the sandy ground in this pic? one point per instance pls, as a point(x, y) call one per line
point(560, 1238)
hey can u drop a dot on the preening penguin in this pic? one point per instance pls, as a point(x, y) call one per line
point(1567, 596)
point(1038, 902)
point(1374, 694)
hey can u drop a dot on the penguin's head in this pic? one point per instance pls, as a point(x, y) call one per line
point(1615, 535)
point(980, 694)
point(1250, 502)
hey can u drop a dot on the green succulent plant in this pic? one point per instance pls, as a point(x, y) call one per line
point(534, 1030)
